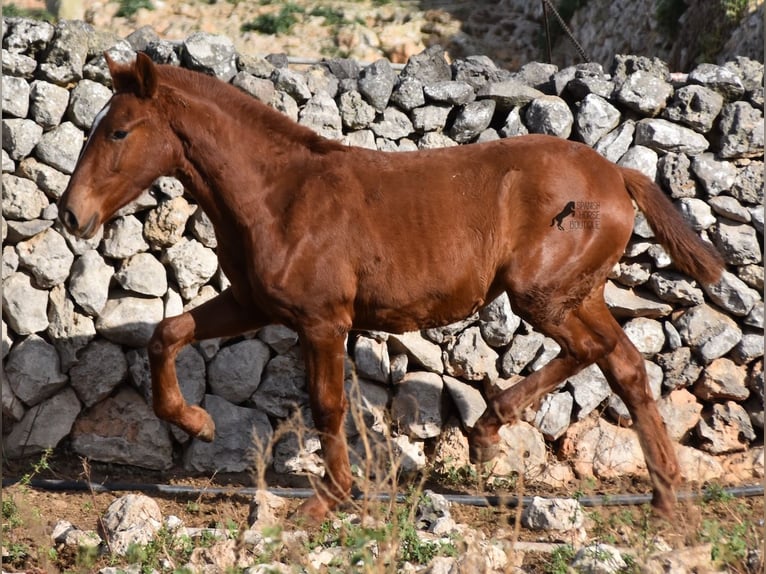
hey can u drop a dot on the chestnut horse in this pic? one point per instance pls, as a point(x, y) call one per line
point(326, 238)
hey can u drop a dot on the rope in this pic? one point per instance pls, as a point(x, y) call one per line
point(547, 4)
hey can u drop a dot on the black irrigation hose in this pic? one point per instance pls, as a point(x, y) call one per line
point(464, 499)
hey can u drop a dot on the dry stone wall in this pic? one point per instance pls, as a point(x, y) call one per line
point(77, 314)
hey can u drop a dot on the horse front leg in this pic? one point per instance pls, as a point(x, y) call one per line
point(218, 317)
point(325, 356)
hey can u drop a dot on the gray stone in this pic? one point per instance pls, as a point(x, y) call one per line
point(67, 535)
point(674, 171)
point(599, 558)
point(240, 434)
point(748, 349)
point(624, 302)
point(730, 208)
point(614, 144)
point(471, 120)
point(719, 79)
point(631, 274)
point(47, 257)
point(469, 357)
point(469, 401)
point(278, 337)
point(143, 274)
point(709, 333)
point(19, 65)
point(87, 99)
point(524, 348)
point(66, 54)
point(420, 351)
point(643, 159)
point(299, 453)
point(371, 359)
point(694, 106)
point(24, 306)
point(48, 102)
point(89, 282)
point(508, 94)
point(748, 188)
point(584, 79)
point(594, 118)
point(675, 288)
point(283, 386)
point(43, 426)
point(355, 113)
point(498, 322)
point(140, 439)
point(48, 179)
point(549, 115)
point(15, 97)
point(408, 93)
point(725, 428)
point(430, 118)
point(562, 514)
point(101, 367)
point(644, 92)
point(320, 113)
point(737, 242)
point(129, 320)
point(478, 70)
point(549, 350)
point(732, 295)
point(69, 329)
point(260, 88)
point(21, 231)
point(202, 229)
point(663, 135)
point(741, 127)
point(554, 415)
point(60, 147)
point(646, 334)
point(211, 54)
point(522, 451)
point(417, 405)
point(393, 125)
point(165, 224)
point(235, 372)
point(434, 140)
point(429, 66)
point(27, 35)
point(133, 519)
point(376, 83)
point(608, 451)
point(450, 92)
point(34, 370)
point(589, 389)
point(696, 212)
point(513, 126)
point(681, 369)
point(192, 264)
point(292, 83)
point(715, 176)
point(20, 136)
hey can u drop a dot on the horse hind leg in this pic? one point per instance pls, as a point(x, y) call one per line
point(624, 370)
point(581, 345)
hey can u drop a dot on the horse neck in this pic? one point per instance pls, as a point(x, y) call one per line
point(226, 134)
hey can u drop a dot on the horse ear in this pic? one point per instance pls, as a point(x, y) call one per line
point(139, 78)
point(146, 74)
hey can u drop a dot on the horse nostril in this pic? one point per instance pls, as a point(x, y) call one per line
point(69, 220)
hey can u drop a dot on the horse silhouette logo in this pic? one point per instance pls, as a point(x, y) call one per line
point(568, 210)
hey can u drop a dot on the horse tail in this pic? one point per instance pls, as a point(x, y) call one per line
point(688, 251)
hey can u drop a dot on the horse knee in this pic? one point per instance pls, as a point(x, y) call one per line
point(169, 334)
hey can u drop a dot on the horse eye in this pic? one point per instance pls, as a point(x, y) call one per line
point(119, 135)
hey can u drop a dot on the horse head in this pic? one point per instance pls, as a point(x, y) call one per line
point(128, 148)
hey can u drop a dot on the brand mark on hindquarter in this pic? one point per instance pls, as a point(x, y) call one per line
point(581, 214)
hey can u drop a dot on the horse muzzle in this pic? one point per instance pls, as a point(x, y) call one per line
point(77, 228)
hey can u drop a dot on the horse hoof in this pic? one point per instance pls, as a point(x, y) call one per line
point(482, 448)
point(206, 430)
point(314, 510)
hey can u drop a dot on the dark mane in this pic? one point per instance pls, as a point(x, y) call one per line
point(234, 102)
